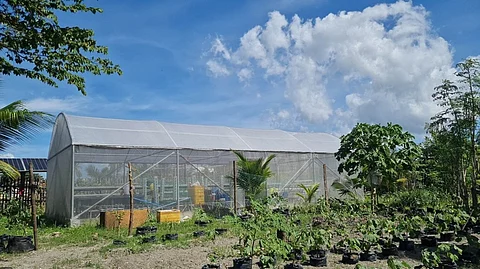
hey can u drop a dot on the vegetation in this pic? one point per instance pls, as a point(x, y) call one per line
point(18, 124)
point(309, 192)
point(37, 46)
point(252, 175)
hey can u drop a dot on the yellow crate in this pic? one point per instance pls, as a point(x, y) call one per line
point(168, 215)
point(197, 194)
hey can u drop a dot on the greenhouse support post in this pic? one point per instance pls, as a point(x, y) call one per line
point(325, 185)
point(178, 181)
point(130, 183)
point(234, 188)
point(34, 206)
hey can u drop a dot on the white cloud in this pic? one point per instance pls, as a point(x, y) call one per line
point(245, 74)
point(380, 64)
point(54, 105)
point(7, 155)
point(217, 69)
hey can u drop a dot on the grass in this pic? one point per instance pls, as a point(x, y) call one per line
point(90, 234)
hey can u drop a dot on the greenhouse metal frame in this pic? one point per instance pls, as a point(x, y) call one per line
point(88, 157)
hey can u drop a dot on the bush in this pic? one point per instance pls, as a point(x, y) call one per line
point(418, 198)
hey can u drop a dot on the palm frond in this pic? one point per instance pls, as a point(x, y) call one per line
point(18, 124)
point(8, 170)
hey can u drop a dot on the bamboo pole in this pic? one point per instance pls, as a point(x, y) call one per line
point(130, 183)
point(235, 187)
point(325, 185)
point(34, 206)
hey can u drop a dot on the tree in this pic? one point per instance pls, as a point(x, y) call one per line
point(309, 192)
point(36, 46)
point(372, 151)
point(253, 174)
point(18, 124)
point(454, 129)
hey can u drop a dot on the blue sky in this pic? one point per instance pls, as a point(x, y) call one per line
point(183, 61)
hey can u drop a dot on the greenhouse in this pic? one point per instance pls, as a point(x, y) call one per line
point(88, 164)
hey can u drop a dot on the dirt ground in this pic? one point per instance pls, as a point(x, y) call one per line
point(158, 257)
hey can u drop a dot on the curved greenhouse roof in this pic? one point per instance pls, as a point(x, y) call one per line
point(88, 131)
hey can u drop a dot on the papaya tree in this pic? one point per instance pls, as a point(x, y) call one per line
point(378, 153)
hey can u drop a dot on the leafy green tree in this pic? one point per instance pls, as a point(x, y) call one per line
point(37, 46)
point(454, 130)
point(253, 174)
point(18, 124)
point(309, 194)
point(376, 151)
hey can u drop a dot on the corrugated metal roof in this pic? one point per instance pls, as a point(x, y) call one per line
point(153, 134)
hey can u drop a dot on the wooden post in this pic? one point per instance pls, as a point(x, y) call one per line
point(325, 185)
point(34, 206)
point(234, 188)
point(130, 183)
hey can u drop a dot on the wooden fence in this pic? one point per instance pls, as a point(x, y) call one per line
point(19, 190)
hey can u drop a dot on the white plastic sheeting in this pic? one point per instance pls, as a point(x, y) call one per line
point(88, 156)
point(88, 131)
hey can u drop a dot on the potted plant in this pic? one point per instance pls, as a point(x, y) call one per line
point(445, 256)
point(319, 244)
point(171, 235)
point(212, 257)
point(409, 227)
point(369, 241)
point(390, 230)
point(351, 255)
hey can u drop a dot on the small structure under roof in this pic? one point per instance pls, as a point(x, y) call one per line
point(87, 159)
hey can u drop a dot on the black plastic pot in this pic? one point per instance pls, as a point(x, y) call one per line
point(145, 230)
point(220, 230)
point(350, 258)
point(119, 243)
point(430, 231)
point(282, 235)
point(201, 223)
point(211, 266)
point(296, 254)
point(339, 250)
point(318, 261)
point(151, 239)
point(416, 234)
point(171, 236)
point(317, 253)
point(242, 263)
point(447, 236)
point(245, 217)
point(447, 265)
point(368, 257)
point(198, 233)
point(468, 256)
point(389, 251)
point(476, 229)
point(406, 245)
point(428, 241)
point(19, 244)
point(293, 266)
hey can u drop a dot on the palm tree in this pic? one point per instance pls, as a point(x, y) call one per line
point(253, 174)
point(18, 124)
point(309, 192)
